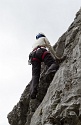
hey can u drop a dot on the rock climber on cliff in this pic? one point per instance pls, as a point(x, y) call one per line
point(42, 52)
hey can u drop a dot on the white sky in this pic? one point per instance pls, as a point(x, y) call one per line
point(20, 21)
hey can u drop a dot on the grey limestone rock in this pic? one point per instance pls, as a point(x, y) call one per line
point(58, 102)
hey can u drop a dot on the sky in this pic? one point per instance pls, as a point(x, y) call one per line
point(20, 21)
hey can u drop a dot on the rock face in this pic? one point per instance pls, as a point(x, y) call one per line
point(58, 102)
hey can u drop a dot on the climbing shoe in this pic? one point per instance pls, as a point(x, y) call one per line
point(33, 95)
point(49, 76)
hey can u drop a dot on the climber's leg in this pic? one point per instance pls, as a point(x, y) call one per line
point(53, 67)
point(36, 66)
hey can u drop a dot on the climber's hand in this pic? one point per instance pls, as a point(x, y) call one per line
point(60, 60)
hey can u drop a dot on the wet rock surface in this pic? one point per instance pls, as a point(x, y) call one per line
point(58, 102)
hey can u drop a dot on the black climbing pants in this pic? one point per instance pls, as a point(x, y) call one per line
point(40, 55)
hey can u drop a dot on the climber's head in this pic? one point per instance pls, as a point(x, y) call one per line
point(40, 35)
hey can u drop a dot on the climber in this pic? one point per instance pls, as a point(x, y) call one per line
point(42, 52)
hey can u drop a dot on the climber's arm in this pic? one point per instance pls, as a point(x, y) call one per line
point(48, 45)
